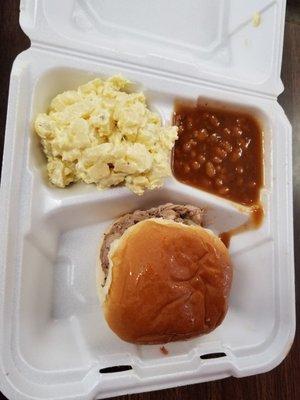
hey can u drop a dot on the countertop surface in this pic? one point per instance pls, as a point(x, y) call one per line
point(282, 383)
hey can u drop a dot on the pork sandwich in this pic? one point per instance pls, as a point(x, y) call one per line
point(162, 276)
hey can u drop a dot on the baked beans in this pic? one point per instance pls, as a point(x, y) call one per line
point(219, 151)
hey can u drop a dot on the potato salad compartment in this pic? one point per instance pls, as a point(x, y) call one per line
point(101, 134)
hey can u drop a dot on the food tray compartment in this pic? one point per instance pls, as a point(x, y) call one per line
point(58, 338)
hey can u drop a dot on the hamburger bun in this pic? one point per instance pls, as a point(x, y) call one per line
point(166, 281)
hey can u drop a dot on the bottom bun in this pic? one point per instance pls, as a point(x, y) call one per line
point(169, 282)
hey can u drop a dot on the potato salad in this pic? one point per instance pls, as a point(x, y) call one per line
point(103, 134)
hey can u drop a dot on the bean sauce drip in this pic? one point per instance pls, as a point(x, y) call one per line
point(219, 151)
point(254, 222)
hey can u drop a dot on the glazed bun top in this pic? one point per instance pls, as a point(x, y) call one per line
point(168, 281)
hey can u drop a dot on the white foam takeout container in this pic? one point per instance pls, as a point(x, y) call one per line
point(54, 341)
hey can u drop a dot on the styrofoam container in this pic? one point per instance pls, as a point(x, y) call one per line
point(54, 341)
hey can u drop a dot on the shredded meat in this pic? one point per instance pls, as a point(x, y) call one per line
point(185, 214)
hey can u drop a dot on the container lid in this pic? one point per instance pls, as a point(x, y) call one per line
point(231, 43)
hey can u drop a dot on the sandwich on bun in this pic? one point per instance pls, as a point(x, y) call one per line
point(162, 276)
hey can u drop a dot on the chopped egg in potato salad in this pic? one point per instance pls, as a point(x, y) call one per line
point(101, 134)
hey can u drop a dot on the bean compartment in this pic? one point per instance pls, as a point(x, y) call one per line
point(219, 151)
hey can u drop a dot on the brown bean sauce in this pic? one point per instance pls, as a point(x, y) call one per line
point(164, 350)
point(254, 222)
point(219, 151)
